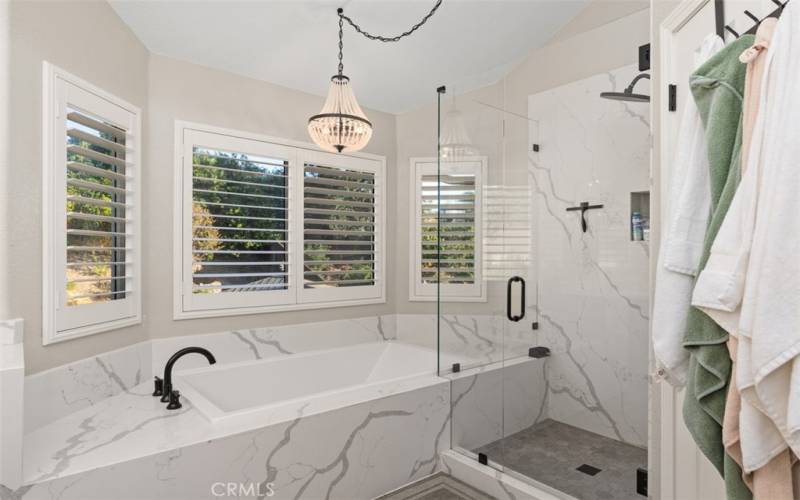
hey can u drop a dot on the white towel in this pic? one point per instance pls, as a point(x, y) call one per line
point(681, 247)
point(771, 303)
point(720, 288)
point(755, 262)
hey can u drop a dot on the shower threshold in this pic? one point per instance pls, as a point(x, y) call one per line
point(577, 462)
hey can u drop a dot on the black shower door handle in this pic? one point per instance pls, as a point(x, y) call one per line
point(511, 281)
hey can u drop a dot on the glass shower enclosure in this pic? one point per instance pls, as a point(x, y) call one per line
point(524, 232)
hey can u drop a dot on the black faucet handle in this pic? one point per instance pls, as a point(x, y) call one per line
point(159, 386)
point(174, 400)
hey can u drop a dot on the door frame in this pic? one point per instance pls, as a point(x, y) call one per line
point(681, 468)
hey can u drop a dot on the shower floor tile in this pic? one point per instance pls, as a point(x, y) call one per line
point(568, 458)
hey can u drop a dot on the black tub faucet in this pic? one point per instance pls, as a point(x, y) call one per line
point(163, 388)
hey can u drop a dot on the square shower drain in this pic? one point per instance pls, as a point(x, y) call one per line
point(588, 469)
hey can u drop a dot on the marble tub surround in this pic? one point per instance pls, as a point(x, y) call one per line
point(266, 342)
point(334, 454)
point(12, 380)
point(60, 391)
point(593, 299)
point(270, 390)
point(11, 331)
point(133, 425)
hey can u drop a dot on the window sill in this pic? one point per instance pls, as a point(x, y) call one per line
point(245, 311)
point(84, 331)
point(426, 298)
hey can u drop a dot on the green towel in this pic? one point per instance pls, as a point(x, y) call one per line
point(717, 87)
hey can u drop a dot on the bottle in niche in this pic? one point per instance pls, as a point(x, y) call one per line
point(636, 224)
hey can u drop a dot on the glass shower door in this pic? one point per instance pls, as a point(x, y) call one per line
point(548, 356)
point(485, 288)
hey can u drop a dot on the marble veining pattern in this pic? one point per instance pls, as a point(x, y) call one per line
point(592, 305)
point(496, 400)
point(336, 454)
point(470, 339)
point(55, 393)
point(61, 391)
point(262, 343)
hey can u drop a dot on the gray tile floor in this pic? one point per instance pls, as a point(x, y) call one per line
point(550, 452)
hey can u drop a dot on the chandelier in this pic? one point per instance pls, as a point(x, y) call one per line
point(341, 125)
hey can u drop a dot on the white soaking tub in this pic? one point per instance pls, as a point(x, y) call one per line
point(287, 387)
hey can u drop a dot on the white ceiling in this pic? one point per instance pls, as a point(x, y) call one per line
point(465, 45)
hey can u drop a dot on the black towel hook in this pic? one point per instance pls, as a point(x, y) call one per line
point(752, 16)
point(733, 31)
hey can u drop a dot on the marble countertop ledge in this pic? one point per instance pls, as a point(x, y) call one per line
point(135, 424)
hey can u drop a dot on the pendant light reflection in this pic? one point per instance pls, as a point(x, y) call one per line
point(454, 142)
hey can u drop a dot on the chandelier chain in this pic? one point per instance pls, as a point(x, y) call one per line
point(341, 46)
point(384, 38)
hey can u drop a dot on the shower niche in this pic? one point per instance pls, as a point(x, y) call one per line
point(640, 204)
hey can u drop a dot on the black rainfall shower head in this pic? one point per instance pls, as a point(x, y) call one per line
point(625, 96)
point(628, 94)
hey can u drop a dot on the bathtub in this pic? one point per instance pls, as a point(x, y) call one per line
point(286, 387)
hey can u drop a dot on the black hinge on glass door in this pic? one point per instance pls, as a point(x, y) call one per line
point(672, 91)
point(511, 281)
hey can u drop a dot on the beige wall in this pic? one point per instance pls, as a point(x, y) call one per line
point(416, 137)
point(608, 46)
point(184, 91)
point(5, 154)
point(66, 34)
point(90, 41)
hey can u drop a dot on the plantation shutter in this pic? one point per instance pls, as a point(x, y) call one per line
point(97, 204)
point(92, 192)
point(448, 226)
point(342, 217)
point(238, 232)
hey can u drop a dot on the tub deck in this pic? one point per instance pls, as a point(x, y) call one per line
point(135, 424)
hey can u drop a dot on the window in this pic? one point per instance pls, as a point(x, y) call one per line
point(447, 205)
point(91, 201)
point(340, 227)
point(264, 226)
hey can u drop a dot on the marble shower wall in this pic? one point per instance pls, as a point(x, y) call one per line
point(593, 286)
point(473, 340)
point(495, 401)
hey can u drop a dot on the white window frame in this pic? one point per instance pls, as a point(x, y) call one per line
point(296, 297)
point(422, 292)
point(229, 301)
point(60, 322)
